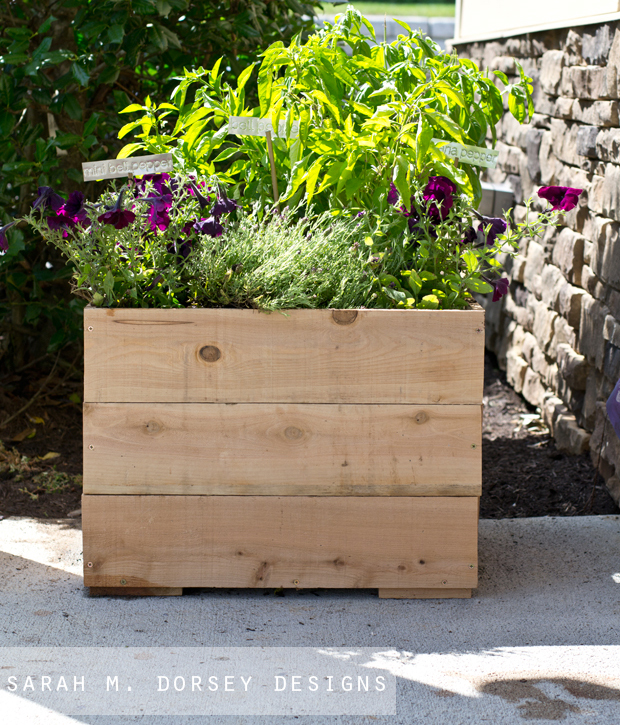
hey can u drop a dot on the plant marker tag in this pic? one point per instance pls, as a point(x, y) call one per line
point(474, 155)
point(246, 126)
point(133, 166)
point(272, 164)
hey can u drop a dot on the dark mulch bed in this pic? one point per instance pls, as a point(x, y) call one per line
point(523, 472)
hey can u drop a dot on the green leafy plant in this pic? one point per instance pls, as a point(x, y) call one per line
point(367, 114)
point(66, 68)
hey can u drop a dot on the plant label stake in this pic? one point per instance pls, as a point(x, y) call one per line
point(249, 126)
point(272, 163)
point(475, 155)
point(134, 166)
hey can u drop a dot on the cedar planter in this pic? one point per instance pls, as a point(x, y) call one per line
point(321, 448)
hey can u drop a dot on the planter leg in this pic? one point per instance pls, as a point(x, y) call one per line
point(424, 593)
point(135, 591)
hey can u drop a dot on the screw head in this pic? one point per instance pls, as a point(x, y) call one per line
point(91, 447)
point(471, 566)
point(123, 581)
point(90, 329)
point(296, 582)
point(444, 582)
point(90, 565)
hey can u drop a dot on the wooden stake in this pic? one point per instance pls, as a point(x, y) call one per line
point(272, 163)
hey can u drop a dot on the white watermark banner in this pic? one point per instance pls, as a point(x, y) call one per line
point(142, 681)
point(136, 165)
point(475, 155)
point(246, 126)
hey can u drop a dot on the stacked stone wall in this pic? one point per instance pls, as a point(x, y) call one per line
point(557, 332)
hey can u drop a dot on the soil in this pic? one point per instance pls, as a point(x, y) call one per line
point(523, 472)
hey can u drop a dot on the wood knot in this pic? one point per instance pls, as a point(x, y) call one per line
point(344, 317)
point(210, 353)
point(153, 427)
point(338, 562)
point(421, 417)
point(292, 433)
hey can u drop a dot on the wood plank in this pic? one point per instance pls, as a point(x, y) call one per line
point(274, 541)
point(135, 591)
point(305, 356)
point(287, 449)
point(424, 593)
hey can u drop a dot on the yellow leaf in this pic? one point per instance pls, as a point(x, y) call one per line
point(49, 456)
point(36, 419)
point(28, 433)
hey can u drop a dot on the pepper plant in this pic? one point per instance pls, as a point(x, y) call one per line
point(368, 113)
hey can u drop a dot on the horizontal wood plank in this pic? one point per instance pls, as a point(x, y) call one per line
point(273, 541)
point(303, 356)
point(286, 449)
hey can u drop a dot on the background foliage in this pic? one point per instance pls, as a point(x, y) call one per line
point(66, 68)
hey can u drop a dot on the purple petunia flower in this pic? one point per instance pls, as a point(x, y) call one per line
point(470, 236)
point(613, 408)
point(500, 287)
point(159, 182)
point(560, 197)
point(210, 227)
point(4, 242)
point(223, 205)
point(119, 218)
point(202, 200)
point(158, 219)
point(498, 226)
point(48, 198)
point(438, 194)
point(392, 197)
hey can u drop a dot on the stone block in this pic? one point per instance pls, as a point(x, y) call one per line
point(543, 325)
point(505, 64)
point(569, 436)
point(604, 196)
point(569, 304)
point(609, 267)
point(528, 347)
point(562, 333)
point(595, 113)
point(573, 399)
point(547, 159)
point(572, 47)
point(586, 140)
point(564, 137)
point(518, 268)
point(594, 82)
point(563, 108)
point(550, 409)
point(566, 83)
point(568, 254)
point(533, 389)
point(535, 262)
point(613, 487)
point(552, 377)
point(611, 330)
point(604, 444)
point(573, 367)
point(595, 47)
point(533, 139)
point(515, 370)
point(608, 145)
point(611, 362)
point(589, 281)
point(588, 409)
point(591, 343)
point(509, 158)
point(552, 281)
point(613, 302)
point(551, 71)
point(539, 363)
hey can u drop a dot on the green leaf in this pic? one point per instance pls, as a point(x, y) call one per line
point(244, 76)
point(80, 74)
point(116, 33)
point(471, 260)
point(226, 154)
point(429, 302)
point(133, 107)
point(46, 25)
point(72, 107)
point(312, 178)
point(477, 285)
point(126, 151)
point(108, 284)
point(128, 127)
point(401, 183)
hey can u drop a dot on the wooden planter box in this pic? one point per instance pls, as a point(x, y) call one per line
point(321, 448)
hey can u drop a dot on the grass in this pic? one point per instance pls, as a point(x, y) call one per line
point(395, 10)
